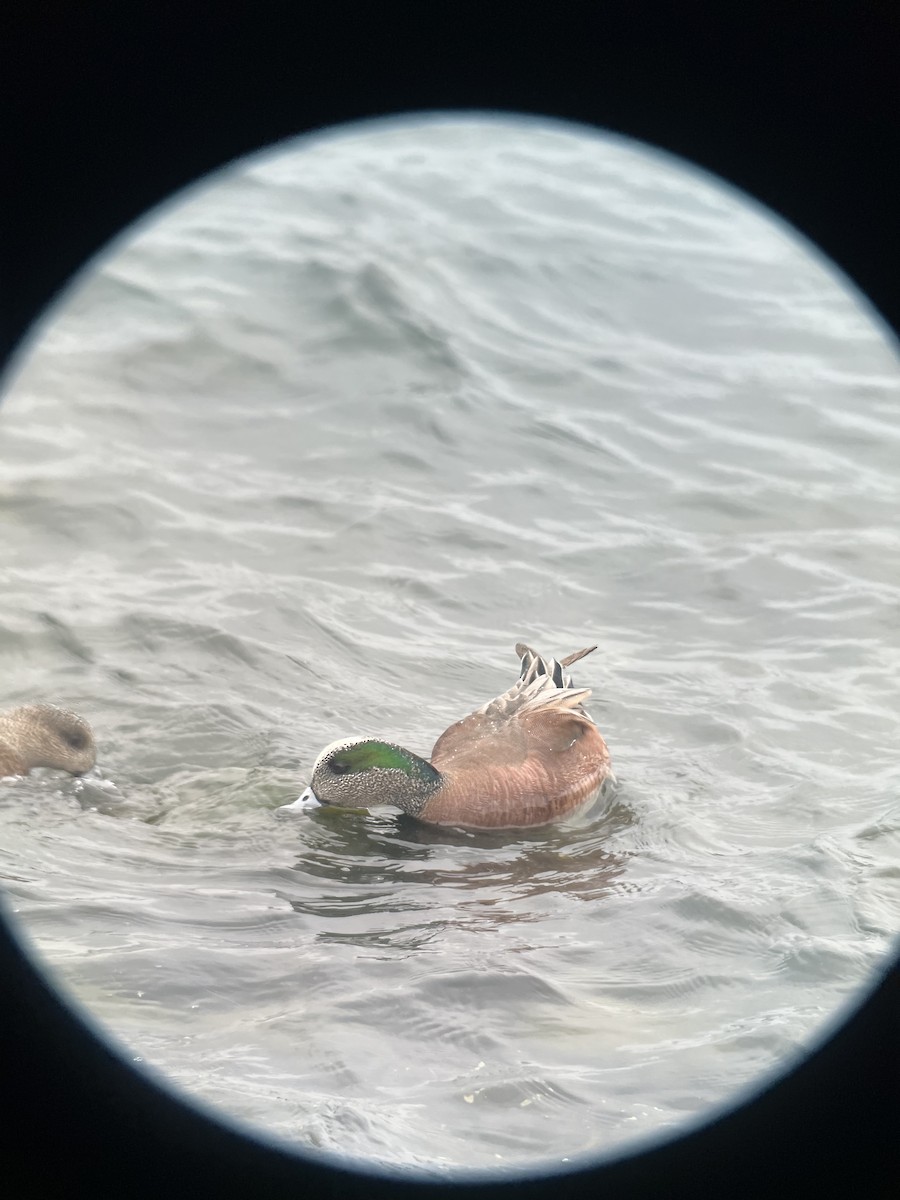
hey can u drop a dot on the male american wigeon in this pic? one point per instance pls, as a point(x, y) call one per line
point(525, 758)
point(42, 735)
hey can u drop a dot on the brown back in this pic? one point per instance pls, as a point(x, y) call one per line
point(525, 758)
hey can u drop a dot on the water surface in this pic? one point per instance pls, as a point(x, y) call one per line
point(305, 459)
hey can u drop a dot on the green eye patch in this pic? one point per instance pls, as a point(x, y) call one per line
point(364, 756)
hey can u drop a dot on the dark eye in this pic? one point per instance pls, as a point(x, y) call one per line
point(338, 767)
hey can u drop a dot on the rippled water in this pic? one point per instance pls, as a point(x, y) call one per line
point(386, 405)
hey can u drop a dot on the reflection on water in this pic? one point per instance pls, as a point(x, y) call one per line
point(362, 869)
point(305, 461)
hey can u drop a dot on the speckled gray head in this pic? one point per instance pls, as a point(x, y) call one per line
point(362, 772)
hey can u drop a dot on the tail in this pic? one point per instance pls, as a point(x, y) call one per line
point(543, 683)
point(534, 664)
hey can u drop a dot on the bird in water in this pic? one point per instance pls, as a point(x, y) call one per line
point(43, 735)
point(525, 758)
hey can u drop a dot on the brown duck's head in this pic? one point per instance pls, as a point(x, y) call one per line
point(43, 735)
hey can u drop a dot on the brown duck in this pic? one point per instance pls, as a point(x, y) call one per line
point(42, 735)
point(525, 758)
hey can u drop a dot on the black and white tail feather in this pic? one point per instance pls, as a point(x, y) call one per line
point(542, 684)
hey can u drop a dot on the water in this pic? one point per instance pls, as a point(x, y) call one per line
point(384, 406)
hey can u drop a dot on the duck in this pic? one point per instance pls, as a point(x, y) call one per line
point(44, 735)
point(529, 756)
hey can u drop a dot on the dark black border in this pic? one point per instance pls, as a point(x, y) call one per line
point(109, 107)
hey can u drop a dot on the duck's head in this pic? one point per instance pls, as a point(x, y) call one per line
point(364, 772)
point(43, 735)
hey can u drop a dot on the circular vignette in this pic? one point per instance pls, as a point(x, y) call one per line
point(113, 111)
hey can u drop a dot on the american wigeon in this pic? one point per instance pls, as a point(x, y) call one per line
point(42, 735)
point(525, 758)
